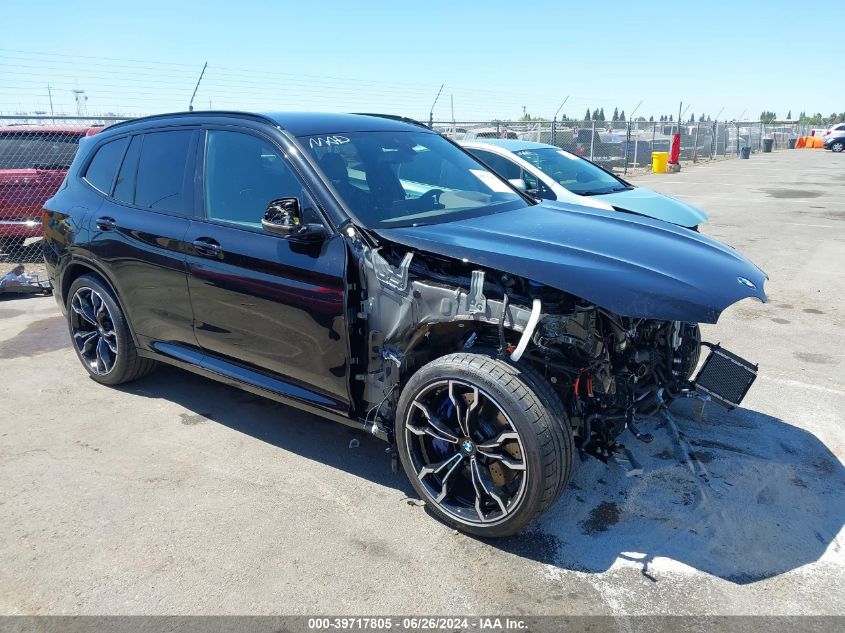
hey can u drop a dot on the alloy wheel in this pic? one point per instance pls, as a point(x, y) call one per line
point(838, 147)
point(466, 452)
point(92, 329)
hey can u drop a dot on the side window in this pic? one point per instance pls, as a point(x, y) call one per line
point(243, 175)
point(124, 188)
point(164, 170)
point(502, 166)
point(103, 167)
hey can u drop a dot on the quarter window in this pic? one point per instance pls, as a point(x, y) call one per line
point(124, 188)
point(243, 175)
point(103, 167)
point(163, 181)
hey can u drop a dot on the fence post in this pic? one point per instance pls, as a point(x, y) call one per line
point(653, 134)
point(627, 145)
point(695, 144)
point(636, 145)
point(498, 133)
point(554, 130)
point(737, 138)
point(592, 139)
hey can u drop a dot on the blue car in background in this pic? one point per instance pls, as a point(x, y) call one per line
point(551, 173)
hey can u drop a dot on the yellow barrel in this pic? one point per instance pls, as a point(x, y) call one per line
point(659, 162)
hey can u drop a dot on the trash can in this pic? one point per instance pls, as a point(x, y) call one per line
point(790, 143)
point(768, 143)
point(659, 161)
point(745, 152)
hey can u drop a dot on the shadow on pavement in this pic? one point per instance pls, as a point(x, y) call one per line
point(773, 498)
point(307, 435)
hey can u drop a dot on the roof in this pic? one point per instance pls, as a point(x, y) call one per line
point(308, 123)
point(512, 145)
point(297, 123)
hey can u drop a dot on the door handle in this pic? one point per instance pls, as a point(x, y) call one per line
point(207, 247)
point(106, 223)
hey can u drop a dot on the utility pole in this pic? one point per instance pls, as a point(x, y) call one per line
point(431, 112)
point(191, 103)
point(50, 95)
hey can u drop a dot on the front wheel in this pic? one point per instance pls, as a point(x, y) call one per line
point(485, 443)
point(838, 146)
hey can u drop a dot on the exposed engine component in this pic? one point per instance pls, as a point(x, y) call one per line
point(608, 369)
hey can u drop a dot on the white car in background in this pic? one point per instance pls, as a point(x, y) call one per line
point(835, 128)
point(551, 173)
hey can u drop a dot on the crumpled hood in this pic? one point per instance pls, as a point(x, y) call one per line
point(655, 205)
point(631, 265)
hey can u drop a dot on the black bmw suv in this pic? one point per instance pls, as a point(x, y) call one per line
point(367, 269)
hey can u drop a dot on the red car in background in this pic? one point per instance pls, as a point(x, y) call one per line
point(33, 163)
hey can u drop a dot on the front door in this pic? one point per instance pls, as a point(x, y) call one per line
point(267, 303)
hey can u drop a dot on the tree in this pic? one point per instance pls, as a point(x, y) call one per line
point(767, 116)
point(587, 116)
point(651, 119)
point(670, 118)
point(601, 115)
point(789, 115)
point(692, 118)
point(701, 118)
point(615, 114)
point(622, 115)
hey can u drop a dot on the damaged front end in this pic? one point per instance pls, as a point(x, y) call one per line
point(608, 369)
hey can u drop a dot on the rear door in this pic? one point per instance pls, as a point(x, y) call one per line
point(138, 233)
point(267, 303)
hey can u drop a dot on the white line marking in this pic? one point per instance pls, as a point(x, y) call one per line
point(803, 385)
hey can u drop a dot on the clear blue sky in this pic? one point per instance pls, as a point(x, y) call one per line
point(493, 57)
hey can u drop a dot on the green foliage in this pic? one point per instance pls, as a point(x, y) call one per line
point(615, 114)
point(587, 116)
point(622, 115)
point(767, 116)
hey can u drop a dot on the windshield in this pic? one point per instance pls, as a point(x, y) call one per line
point(393, 179)
point(37, 150)
point(575, 174)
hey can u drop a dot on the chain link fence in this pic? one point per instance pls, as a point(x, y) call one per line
point(36, 151)
point(623, 146)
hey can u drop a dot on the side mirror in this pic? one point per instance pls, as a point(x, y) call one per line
point(519, 183)
point(284, 217)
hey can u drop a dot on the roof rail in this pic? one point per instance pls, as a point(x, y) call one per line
point(196, 113)
point(394, 117)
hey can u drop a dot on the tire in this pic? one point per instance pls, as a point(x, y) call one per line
point(505, 465)
point(100, 334)
point(838, 146)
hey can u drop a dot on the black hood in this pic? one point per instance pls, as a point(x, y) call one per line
point(633, 266)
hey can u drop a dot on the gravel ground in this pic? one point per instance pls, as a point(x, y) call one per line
point(176, 495)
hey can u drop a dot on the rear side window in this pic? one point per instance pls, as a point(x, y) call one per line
point(502, 166)
point(163, 181)
point(103, 167)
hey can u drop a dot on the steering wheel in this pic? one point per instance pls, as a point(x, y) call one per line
point(434, 194)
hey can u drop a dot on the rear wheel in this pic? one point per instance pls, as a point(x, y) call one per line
point(838, 146)
point(100, 334)
point(485, 443)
